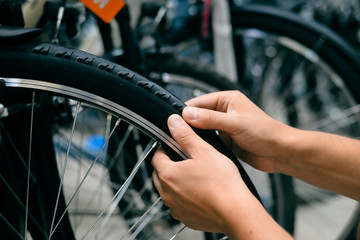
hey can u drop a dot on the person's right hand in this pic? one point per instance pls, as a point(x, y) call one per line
point(253, 136)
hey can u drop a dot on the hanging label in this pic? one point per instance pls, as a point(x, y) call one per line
point(104, 9)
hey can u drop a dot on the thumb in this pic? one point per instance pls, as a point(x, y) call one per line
point(185, 136)
point(209, 119)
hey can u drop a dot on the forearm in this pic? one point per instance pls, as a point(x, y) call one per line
point(328, 161)
point(249, 220)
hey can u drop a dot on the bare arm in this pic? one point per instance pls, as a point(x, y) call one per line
point(325, 160)
point(328, 161)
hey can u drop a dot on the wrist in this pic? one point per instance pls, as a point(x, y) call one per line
point(289, 144)
point(297, 147)
point(251, 221)
point(239, 220)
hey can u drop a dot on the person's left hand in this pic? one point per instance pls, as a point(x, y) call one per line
point(202, 191)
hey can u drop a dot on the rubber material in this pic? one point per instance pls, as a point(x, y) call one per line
point(11, 34)
point(76, 69)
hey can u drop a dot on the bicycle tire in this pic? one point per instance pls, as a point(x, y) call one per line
point(43, 68)
point(295, 88)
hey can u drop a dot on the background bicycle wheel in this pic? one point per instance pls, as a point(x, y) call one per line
point(306, 76)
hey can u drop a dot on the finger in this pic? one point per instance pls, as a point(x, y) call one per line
point(162, 165)
point(213, 101)
point(160, 160)
point(185, 136)
point(209, 119)
point(157, 182)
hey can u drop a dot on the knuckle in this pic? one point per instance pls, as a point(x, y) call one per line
point(167, 178)
point(175, 214)
point(164, 177)
point(183, 136)
point(166, 200)
point(210, 117)
point(236, 93)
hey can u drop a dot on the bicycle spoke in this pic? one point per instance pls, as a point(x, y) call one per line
point(107, 131)
point(97, 175)
point(86, 175)
point(64, 168)
point(177, 234)
point(224, 238)
point(123, 187)
point(120, 148)
point(305, 55)
point(29, 162)
point(102, 180)
point(119, 197)
point(22, 160)
point(18, 200)
point(12, 227)
point(286, 93)
point(141, 192)
point(341, 115)
point(78, 178)
point(146, 218)
point(148, 211)
point(102, 177)
point(279, 108)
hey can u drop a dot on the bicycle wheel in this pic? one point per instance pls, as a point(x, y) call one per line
point(186, 79)
point(306, 76)
point(60, 111)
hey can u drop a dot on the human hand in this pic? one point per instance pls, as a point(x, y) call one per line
point(252, 135)
point(202, 191)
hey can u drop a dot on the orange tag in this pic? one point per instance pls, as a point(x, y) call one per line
point(104, 9)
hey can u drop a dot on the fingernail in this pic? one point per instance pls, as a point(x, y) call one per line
point(190, 113)
point(175, 120)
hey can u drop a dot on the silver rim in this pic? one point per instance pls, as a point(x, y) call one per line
point(91, 196)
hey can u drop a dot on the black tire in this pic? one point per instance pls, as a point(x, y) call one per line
point(30, 73)
point(309, 74)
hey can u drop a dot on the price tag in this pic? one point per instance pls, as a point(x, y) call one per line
point(104, 9)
